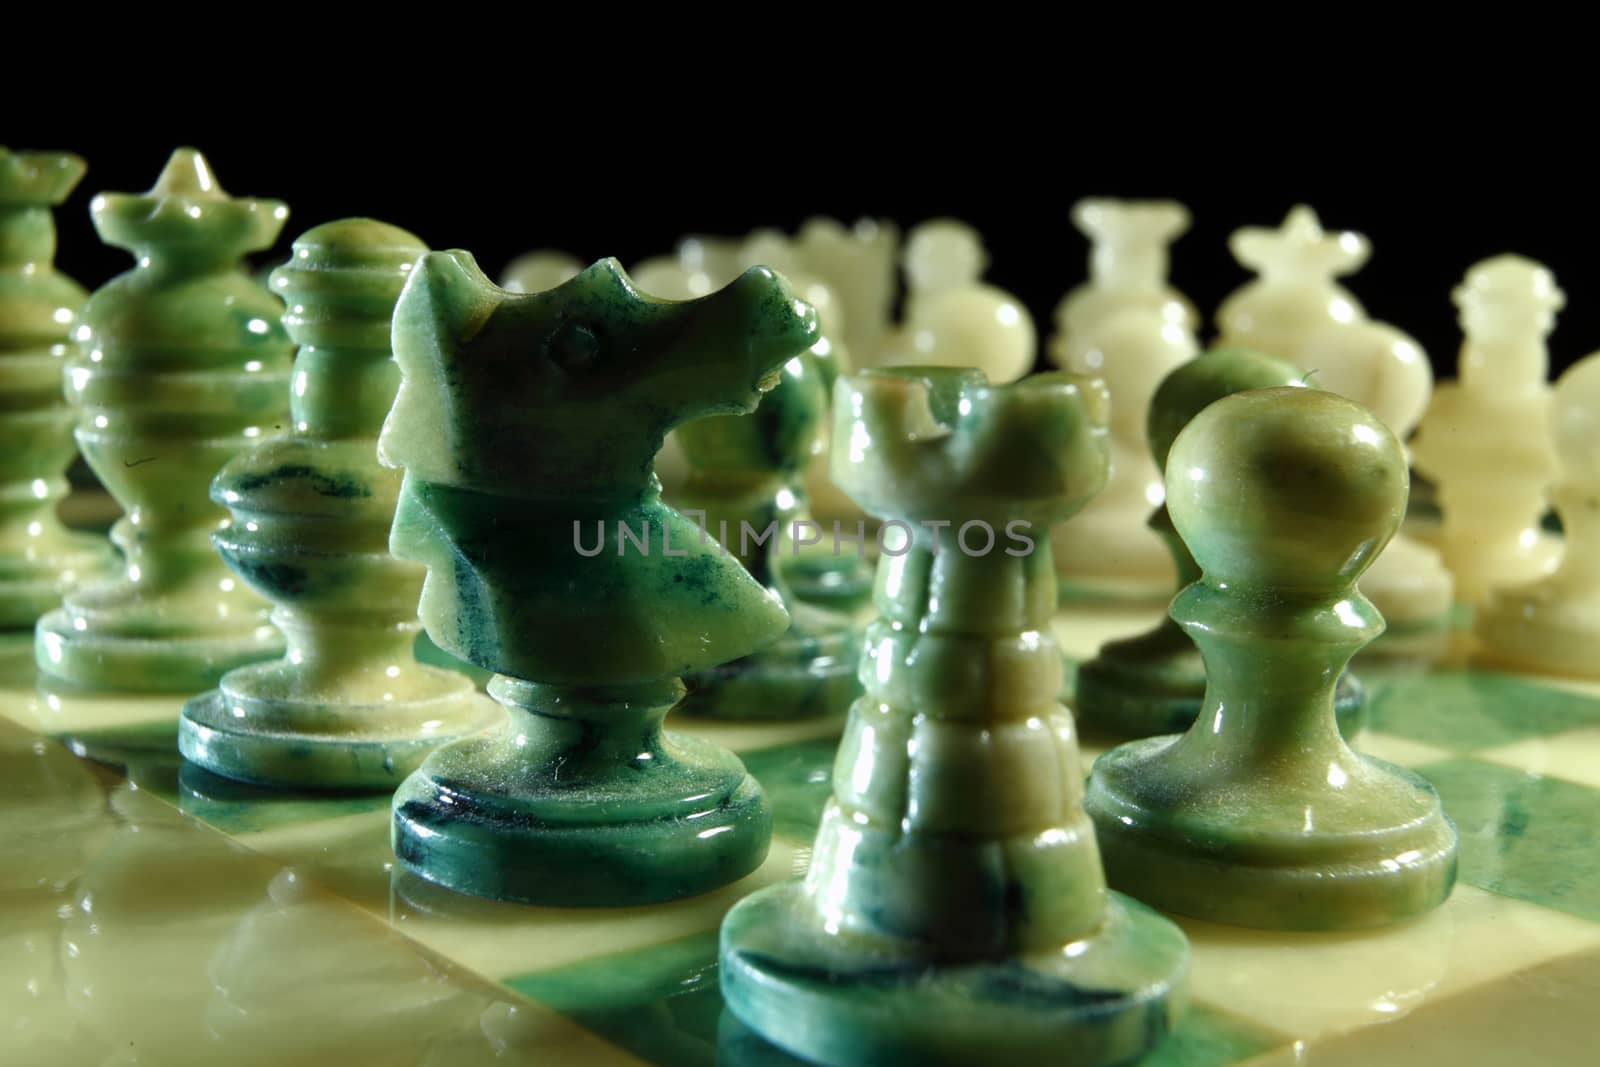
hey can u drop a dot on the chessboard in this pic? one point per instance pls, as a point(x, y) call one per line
point(155, 914)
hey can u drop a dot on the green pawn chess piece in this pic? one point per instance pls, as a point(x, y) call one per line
point(40, 559)
point(746, 484)
point(1155, 683)
point(1261, 815)
point(182, 362)
point(349, 706)
point(527, 426)
point(955, 910)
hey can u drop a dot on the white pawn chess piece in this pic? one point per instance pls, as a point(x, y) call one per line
point(1295, 297)
point(954, 319)
point(1387, 372)
point(1110, 551)
point(1127, 269)
point(538, 271)
point(1484, 440)
point(1554, 625)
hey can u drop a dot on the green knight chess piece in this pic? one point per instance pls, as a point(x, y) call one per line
point(955, 910)
point(349, 706)
point(40, 559)
point(1261, 815)
point(181, 363)
point(1155, 683)
point(527, 426)
point(746, 483)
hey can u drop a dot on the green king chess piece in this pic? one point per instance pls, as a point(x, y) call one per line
point(527, 426)
point(40, 559)
point(349, 706)
point(1261, 815)
point(747, 484)
point(955, 910)
point(181, 363)
point(1155, 683)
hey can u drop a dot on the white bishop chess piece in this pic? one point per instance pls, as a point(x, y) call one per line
point(1128, 327)
point(1484, 440)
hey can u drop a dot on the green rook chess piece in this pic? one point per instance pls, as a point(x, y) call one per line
point(747, 484)
point(955, 910)
point(40, 559)
point(181, 363)
point(1154, 683)
point(527, 426)
point(348, 707)
point(1261, 815)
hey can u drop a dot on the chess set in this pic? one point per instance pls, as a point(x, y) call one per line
point(734, 659)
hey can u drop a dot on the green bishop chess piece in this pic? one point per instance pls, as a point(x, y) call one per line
point(349, 706)
point(1261, 815)
point(181, 363)
point(1155, 683)
point(40, 559)
point(955, 910)
point(746, 483)
point(527, 425)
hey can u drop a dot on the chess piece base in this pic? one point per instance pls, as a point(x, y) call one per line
point(834, 1000)
point(178, 663)
point(306, 745)
point(580, 799)
point(1142, 688)
point(1541, 628)
point(1383, 850)
point(800, 676)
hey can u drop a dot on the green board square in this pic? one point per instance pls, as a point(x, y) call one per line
point(798, 780)
point(1468, 712)
point(1523, 836)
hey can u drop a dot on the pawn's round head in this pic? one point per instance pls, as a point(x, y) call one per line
point(1193, 386)
point(1291, 489)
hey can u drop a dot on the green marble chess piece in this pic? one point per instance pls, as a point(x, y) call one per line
point(1261, 815)
point(349, 706)
point(746, 483)
point(182, 362)
point(1155, 683)
point(527, 425)
point(955, 910)
point(40, 559)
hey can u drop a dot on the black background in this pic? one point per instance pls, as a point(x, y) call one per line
point(1432, 201)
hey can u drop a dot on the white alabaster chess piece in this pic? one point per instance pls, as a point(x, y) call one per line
point(1484, 440)
point(1128, 327)
point(1553, 625)
point(538, 271)
point(1294, 296)
point(952, 317)
point(1128, 241)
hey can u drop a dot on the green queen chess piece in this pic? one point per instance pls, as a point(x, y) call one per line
point(746, 483)
point(349, 706)
point(1261, 815)
point(181, 363)
point(527, 426)
point(40, 559)
point(955, 910)
point(1155, 682)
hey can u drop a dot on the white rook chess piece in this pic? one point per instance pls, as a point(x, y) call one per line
point(1295, 296)
point(1554, 625)
point(1484, 440)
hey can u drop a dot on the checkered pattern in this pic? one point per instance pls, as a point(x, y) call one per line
point(1516, 760)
